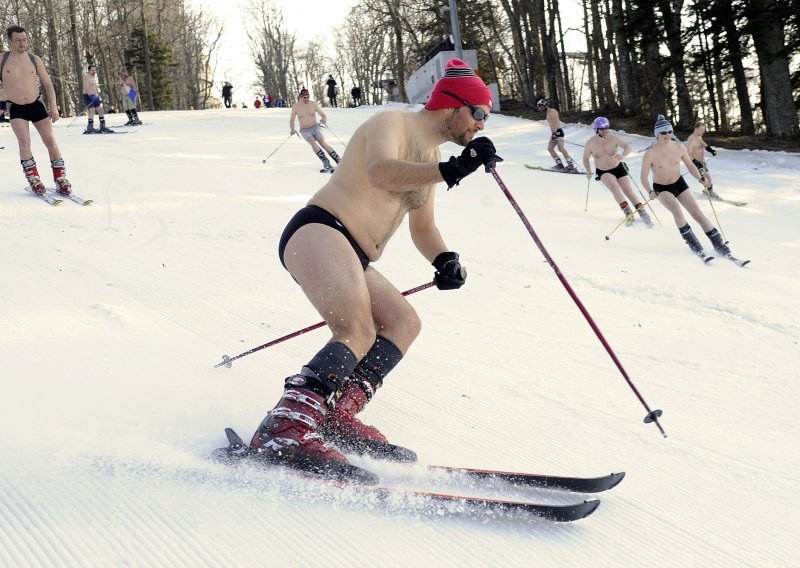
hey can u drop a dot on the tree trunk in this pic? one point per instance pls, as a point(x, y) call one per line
point(57, 71)
point(725, 125)
point(76, 52)
point(768, 30)
point(519, 62)
point(569, 98)
point(589, 56)
point(148, 74)
point(671, 14)
point(625, 76)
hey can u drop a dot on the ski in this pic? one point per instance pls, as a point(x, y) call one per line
point(729, 201)
point(574, 484)
point(704, 257)
point(487, 508)
point(327, 170)
point(105, 132)
point(738, 262)
point(564, 171)
point(44, 197)
point(71, 197)
point(363, 480)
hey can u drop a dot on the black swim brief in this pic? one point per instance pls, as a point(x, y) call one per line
point(675, 188)
point(313, 214)
point(32, 112)
point(618, 172)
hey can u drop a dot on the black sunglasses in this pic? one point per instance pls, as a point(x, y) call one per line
point(477, 113)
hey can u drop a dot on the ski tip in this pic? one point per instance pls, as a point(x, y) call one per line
point(569, 513)
point(616, 478)
point(233, 438)
point(708, 259)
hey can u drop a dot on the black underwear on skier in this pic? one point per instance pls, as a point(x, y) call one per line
point(675, 188)
point(618, 172)
point(32, 112)
point(313, 214)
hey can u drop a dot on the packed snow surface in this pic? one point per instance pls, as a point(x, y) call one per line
point(113, 315)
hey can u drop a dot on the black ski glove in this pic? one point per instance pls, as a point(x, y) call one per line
point(478, 152)
point(710, 149)
point(449, 275)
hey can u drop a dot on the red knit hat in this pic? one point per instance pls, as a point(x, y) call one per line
point(461, 80)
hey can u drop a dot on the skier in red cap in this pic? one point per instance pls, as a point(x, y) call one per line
point(305, 111)
point(390, 170)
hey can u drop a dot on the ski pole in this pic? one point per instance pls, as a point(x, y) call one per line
point(588, 183)
point(714, 210)
point(228, 361)
point(264, 161)
point(652, 415)
point(626, 218)
point(77, 116)
point(574, 143)
point(332, 132)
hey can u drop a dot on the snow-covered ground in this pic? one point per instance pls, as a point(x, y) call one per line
point(112, 317)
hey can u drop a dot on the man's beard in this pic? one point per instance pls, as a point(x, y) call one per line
point(461, 138)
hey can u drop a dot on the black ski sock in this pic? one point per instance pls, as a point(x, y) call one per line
point(323, 159)
point(330, 366)
point(334, 155)
point(382, 357)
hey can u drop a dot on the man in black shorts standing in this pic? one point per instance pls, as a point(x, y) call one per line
point(664, 158)
point(19, 71)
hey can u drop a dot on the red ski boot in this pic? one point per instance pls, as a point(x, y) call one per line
point(351, 434)
point(62, 183)
point(289, 435)
point(32, 175)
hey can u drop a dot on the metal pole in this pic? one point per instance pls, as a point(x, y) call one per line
point(455, 29)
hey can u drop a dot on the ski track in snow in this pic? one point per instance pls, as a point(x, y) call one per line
point(113, 315)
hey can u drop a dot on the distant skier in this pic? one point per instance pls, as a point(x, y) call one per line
point(92, 101)
point(21, 74)
point(556, 136)
point(697, 147)
point(331, 82)
point(306, 111)
point(664, 158)
point(129, 96)
point(611, 169)
point(227, 94)
point(389, 172)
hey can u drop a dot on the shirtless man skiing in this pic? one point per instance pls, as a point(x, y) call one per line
point(19, 71)
point(306, 111)
point(697, 147)
point(556, 137)
point(611, 169)
point(92, 102)
point(390, 171)
point(664, 159)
